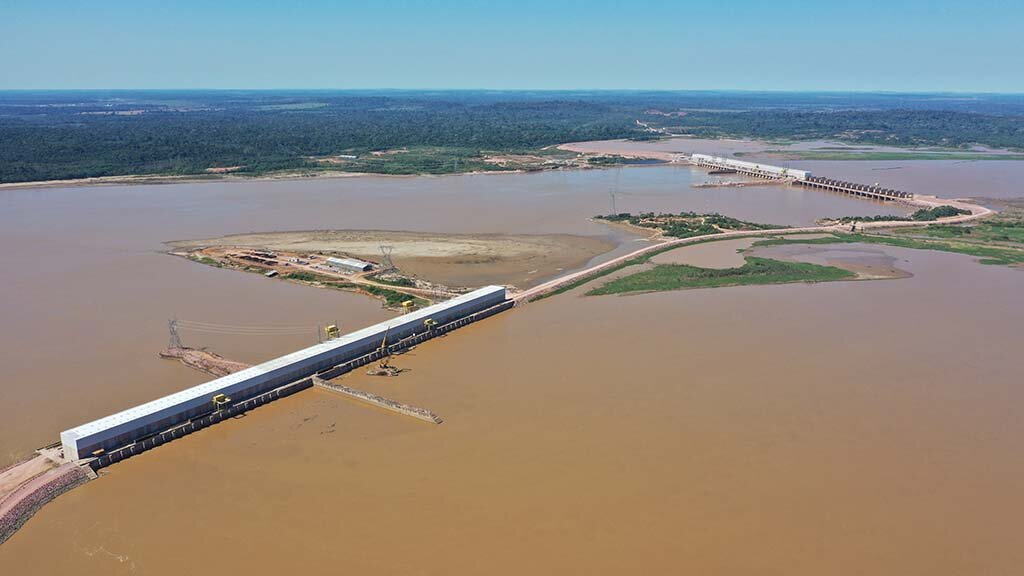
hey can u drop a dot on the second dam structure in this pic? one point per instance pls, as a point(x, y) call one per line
point(799, 177)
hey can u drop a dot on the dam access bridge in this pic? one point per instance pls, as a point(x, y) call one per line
point(798, 177)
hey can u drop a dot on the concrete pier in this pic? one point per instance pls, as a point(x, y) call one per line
point(379, 401)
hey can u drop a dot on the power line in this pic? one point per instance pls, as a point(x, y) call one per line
point(213, 328)
point(193, 323)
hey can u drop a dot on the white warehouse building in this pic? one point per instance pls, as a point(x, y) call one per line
point(349, 264)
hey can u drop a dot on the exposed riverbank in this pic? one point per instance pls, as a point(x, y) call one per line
point(547, 159)
point(450, 260)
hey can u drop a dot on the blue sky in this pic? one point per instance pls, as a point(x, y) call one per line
point(895, 45)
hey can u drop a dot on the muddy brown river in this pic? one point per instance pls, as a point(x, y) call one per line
point(844, 428)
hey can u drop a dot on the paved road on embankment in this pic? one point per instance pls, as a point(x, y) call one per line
point(920, 201)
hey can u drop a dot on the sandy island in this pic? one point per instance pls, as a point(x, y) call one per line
point(449, 259)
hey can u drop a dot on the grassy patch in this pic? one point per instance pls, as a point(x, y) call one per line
point(392, 298)
point(303, 276)
point(755, 271)
point(643, 259)
point(342, 285)
point(400, 281)
point(932, 214)
point(209, 261)
point(1006, 227)
point(830, 239)
point(986, 253)
point(922, 215)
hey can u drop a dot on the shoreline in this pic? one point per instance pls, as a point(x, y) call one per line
point(158, 180)
point(163, 179)
point(582, 147)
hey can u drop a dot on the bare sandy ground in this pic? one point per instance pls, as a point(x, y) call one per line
point(450, 259)
point(15, 476)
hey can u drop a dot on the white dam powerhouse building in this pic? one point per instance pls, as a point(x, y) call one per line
point(754, 169)
point(137, 423)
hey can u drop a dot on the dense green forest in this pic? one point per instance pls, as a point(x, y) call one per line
point(892, 127)
point(56, 135)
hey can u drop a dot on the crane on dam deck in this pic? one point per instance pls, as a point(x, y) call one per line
point(384, 367)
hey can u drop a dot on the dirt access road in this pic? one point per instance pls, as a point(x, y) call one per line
point(920, 201)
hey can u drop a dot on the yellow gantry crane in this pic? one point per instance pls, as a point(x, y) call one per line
point(331, 331)
point(220, 401)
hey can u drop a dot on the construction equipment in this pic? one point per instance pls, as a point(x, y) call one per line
point(331, 331)
point(220, 401)
point(408, 306)
point(430, 323)
point(384, 367)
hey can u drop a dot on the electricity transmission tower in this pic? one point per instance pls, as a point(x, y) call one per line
point(611, 194)
point(387, 263)
point(175, 340)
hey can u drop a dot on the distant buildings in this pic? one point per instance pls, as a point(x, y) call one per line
point(350, 265)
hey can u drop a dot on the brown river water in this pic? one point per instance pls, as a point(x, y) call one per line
point(844, 428)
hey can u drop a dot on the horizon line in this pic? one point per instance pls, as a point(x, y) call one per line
point(392, 89)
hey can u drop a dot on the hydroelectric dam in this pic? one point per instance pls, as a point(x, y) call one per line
point(132, 431)
point(798, 177)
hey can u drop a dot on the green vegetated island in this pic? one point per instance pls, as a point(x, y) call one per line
point(685, 224)
point(922, 215)
point(998, 240)
point(754, 271)
point(210, 134)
